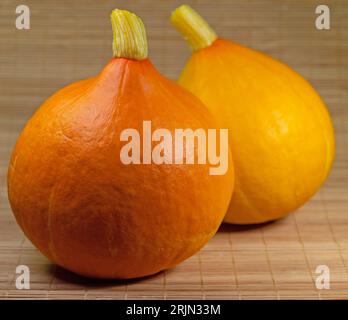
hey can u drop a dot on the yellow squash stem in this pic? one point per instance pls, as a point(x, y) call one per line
point(129, 35)
point(193, 27)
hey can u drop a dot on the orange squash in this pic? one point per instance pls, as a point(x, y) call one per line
point(280, 131)
point(85, 209)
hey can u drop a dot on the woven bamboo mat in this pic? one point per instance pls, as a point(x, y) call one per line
point(70, 40)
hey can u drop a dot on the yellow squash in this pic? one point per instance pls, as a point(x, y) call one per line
point(280, 131)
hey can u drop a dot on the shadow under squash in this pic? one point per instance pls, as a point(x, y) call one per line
point(225, 227)
point(67, 276)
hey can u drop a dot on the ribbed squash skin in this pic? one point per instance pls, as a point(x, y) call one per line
point(280, 131)
point(90, 213)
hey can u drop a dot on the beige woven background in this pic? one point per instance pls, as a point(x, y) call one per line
point(71, 40)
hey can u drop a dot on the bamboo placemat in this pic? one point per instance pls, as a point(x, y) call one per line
point(71, 40)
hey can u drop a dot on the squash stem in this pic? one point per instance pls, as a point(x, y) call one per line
point(193, 27)
point(129, 35)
